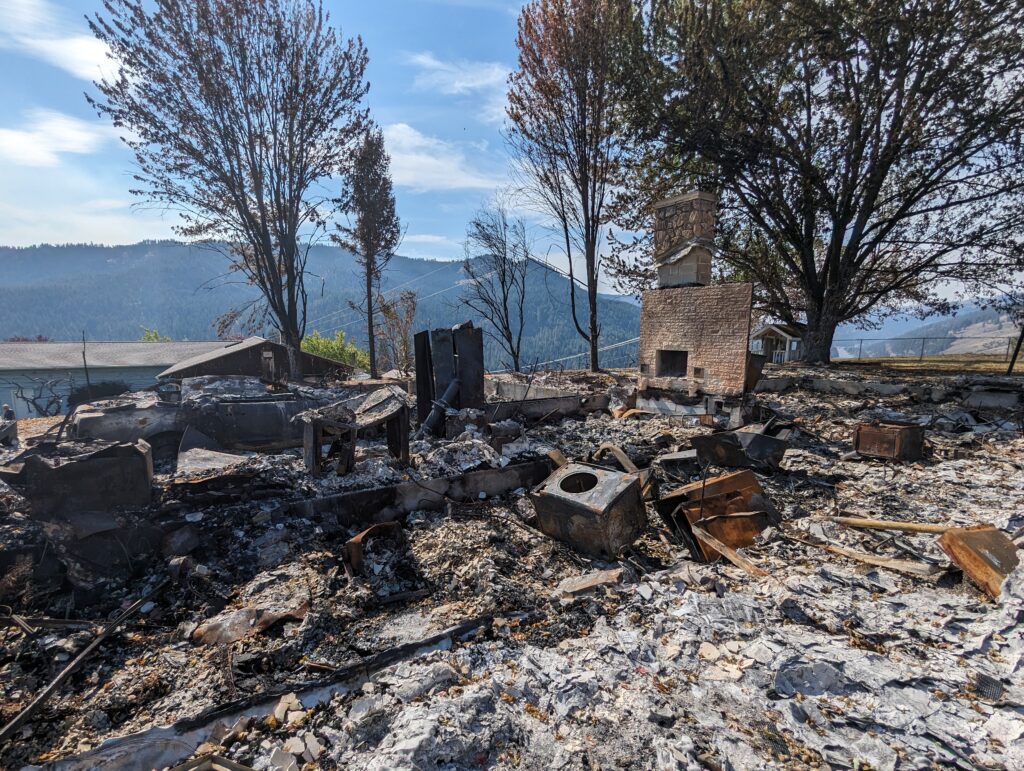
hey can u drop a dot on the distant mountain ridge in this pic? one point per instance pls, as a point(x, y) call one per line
point(113, 292)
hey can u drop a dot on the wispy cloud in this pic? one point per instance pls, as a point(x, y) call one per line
point(431, 245)
point(71, 220)
point(35, 28)
point(463, 77)
point(47, 134)
point(424, 163)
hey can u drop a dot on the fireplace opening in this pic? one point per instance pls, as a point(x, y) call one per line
point(668, 363)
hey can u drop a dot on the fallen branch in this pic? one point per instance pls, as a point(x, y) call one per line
point(916, 569)
point(8, 730)
point(888, 524)
point(364, 667)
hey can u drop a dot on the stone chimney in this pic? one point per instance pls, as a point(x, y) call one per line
point(684, 233)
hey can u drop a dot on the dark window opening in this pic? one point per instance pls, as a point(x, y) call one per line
point(698, 373)
point(670, 363)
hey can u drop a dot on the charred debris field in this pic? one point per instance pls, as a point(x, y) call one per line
point(822, 573)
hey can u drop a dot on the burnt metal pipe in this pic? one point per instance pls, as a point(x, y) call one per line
point(436, 417)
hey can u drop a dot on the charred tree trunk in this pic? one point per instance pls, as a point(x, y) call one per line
point(594, 330)
point(371, 346)
point(293, 345)
point(1016, 351)
point(817, 341)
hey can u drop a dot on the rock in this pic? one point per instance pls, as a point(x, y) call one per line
point(181, 568)
point(283, 761)
point(708, 652)
point(435, 675)
point(288, 703)
point(294, 745)
point(313, 748)
point(364, 708)
point(573, 587)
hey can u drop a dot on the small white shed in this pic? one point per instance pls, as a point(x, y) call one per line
point(779, 342)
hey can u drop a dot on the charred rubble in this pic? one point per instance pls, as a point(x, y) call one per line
point(554, 576)
point(698, 564)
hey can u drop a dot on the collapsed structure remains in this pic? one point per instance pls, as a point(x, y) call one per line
point(690, 566)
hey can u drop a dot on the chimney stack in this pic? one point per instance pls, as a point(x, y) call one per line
point(684, 233)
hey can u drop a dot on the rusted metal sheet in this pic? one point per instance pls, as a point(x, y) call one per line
point(732, 508)
point(740, 449)
point(986, 555)
point(354, 546)
point(595, 510)
point(729, 493)
point(890, 440)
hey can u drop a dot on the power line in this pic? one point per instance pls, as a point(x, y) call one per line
point(456, 285)
point(389, 291)
point(610, 347)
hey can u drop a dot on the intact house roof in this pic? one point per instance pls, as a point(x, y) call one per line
point(65, 356)
point(786, 330)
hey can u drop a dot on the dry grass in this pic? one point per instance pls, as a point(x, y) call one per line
point(28, 427)
point(949, 364)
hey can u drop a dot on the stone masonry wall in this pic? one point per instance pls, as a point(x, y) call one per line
point(683, 219)
point(711, 323)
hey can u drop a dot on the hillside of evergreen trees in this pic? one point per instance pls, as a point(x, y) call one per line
point(114, 292)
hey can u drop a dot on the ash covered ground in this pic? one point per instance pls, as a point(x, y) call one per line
point(466, 640)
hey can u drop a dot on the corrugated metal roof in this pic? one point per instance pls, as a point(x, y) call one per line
point(64, 356)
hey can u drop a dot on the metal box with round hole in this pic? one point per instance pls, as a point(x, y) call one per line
point(596, 510)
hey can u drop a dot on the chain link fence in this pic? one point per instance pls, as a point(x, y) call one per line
point(992, 346)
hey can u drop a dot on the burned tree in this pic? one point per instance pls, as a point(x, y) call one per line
point(396, 329)
point(865, 153)
point(43, 395)
point(497, 261)
point(373, 231)
point(563, 106)
point(237, 113)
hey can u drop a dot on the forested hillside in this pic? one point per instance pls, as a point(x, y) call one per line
point(113, 292)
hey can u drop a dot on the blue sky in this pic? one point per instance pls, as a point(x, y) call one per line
point(437, 73)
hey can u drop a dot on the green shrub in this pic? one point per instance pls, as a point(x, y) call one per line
point(337, 349)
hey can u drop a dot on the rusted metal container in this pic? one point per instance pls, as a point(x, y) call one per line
point(596, 510)
point(890, 440)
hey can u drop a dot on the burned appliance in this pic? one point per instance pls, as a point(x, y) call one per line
point(890, 440)
point(596, 510)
